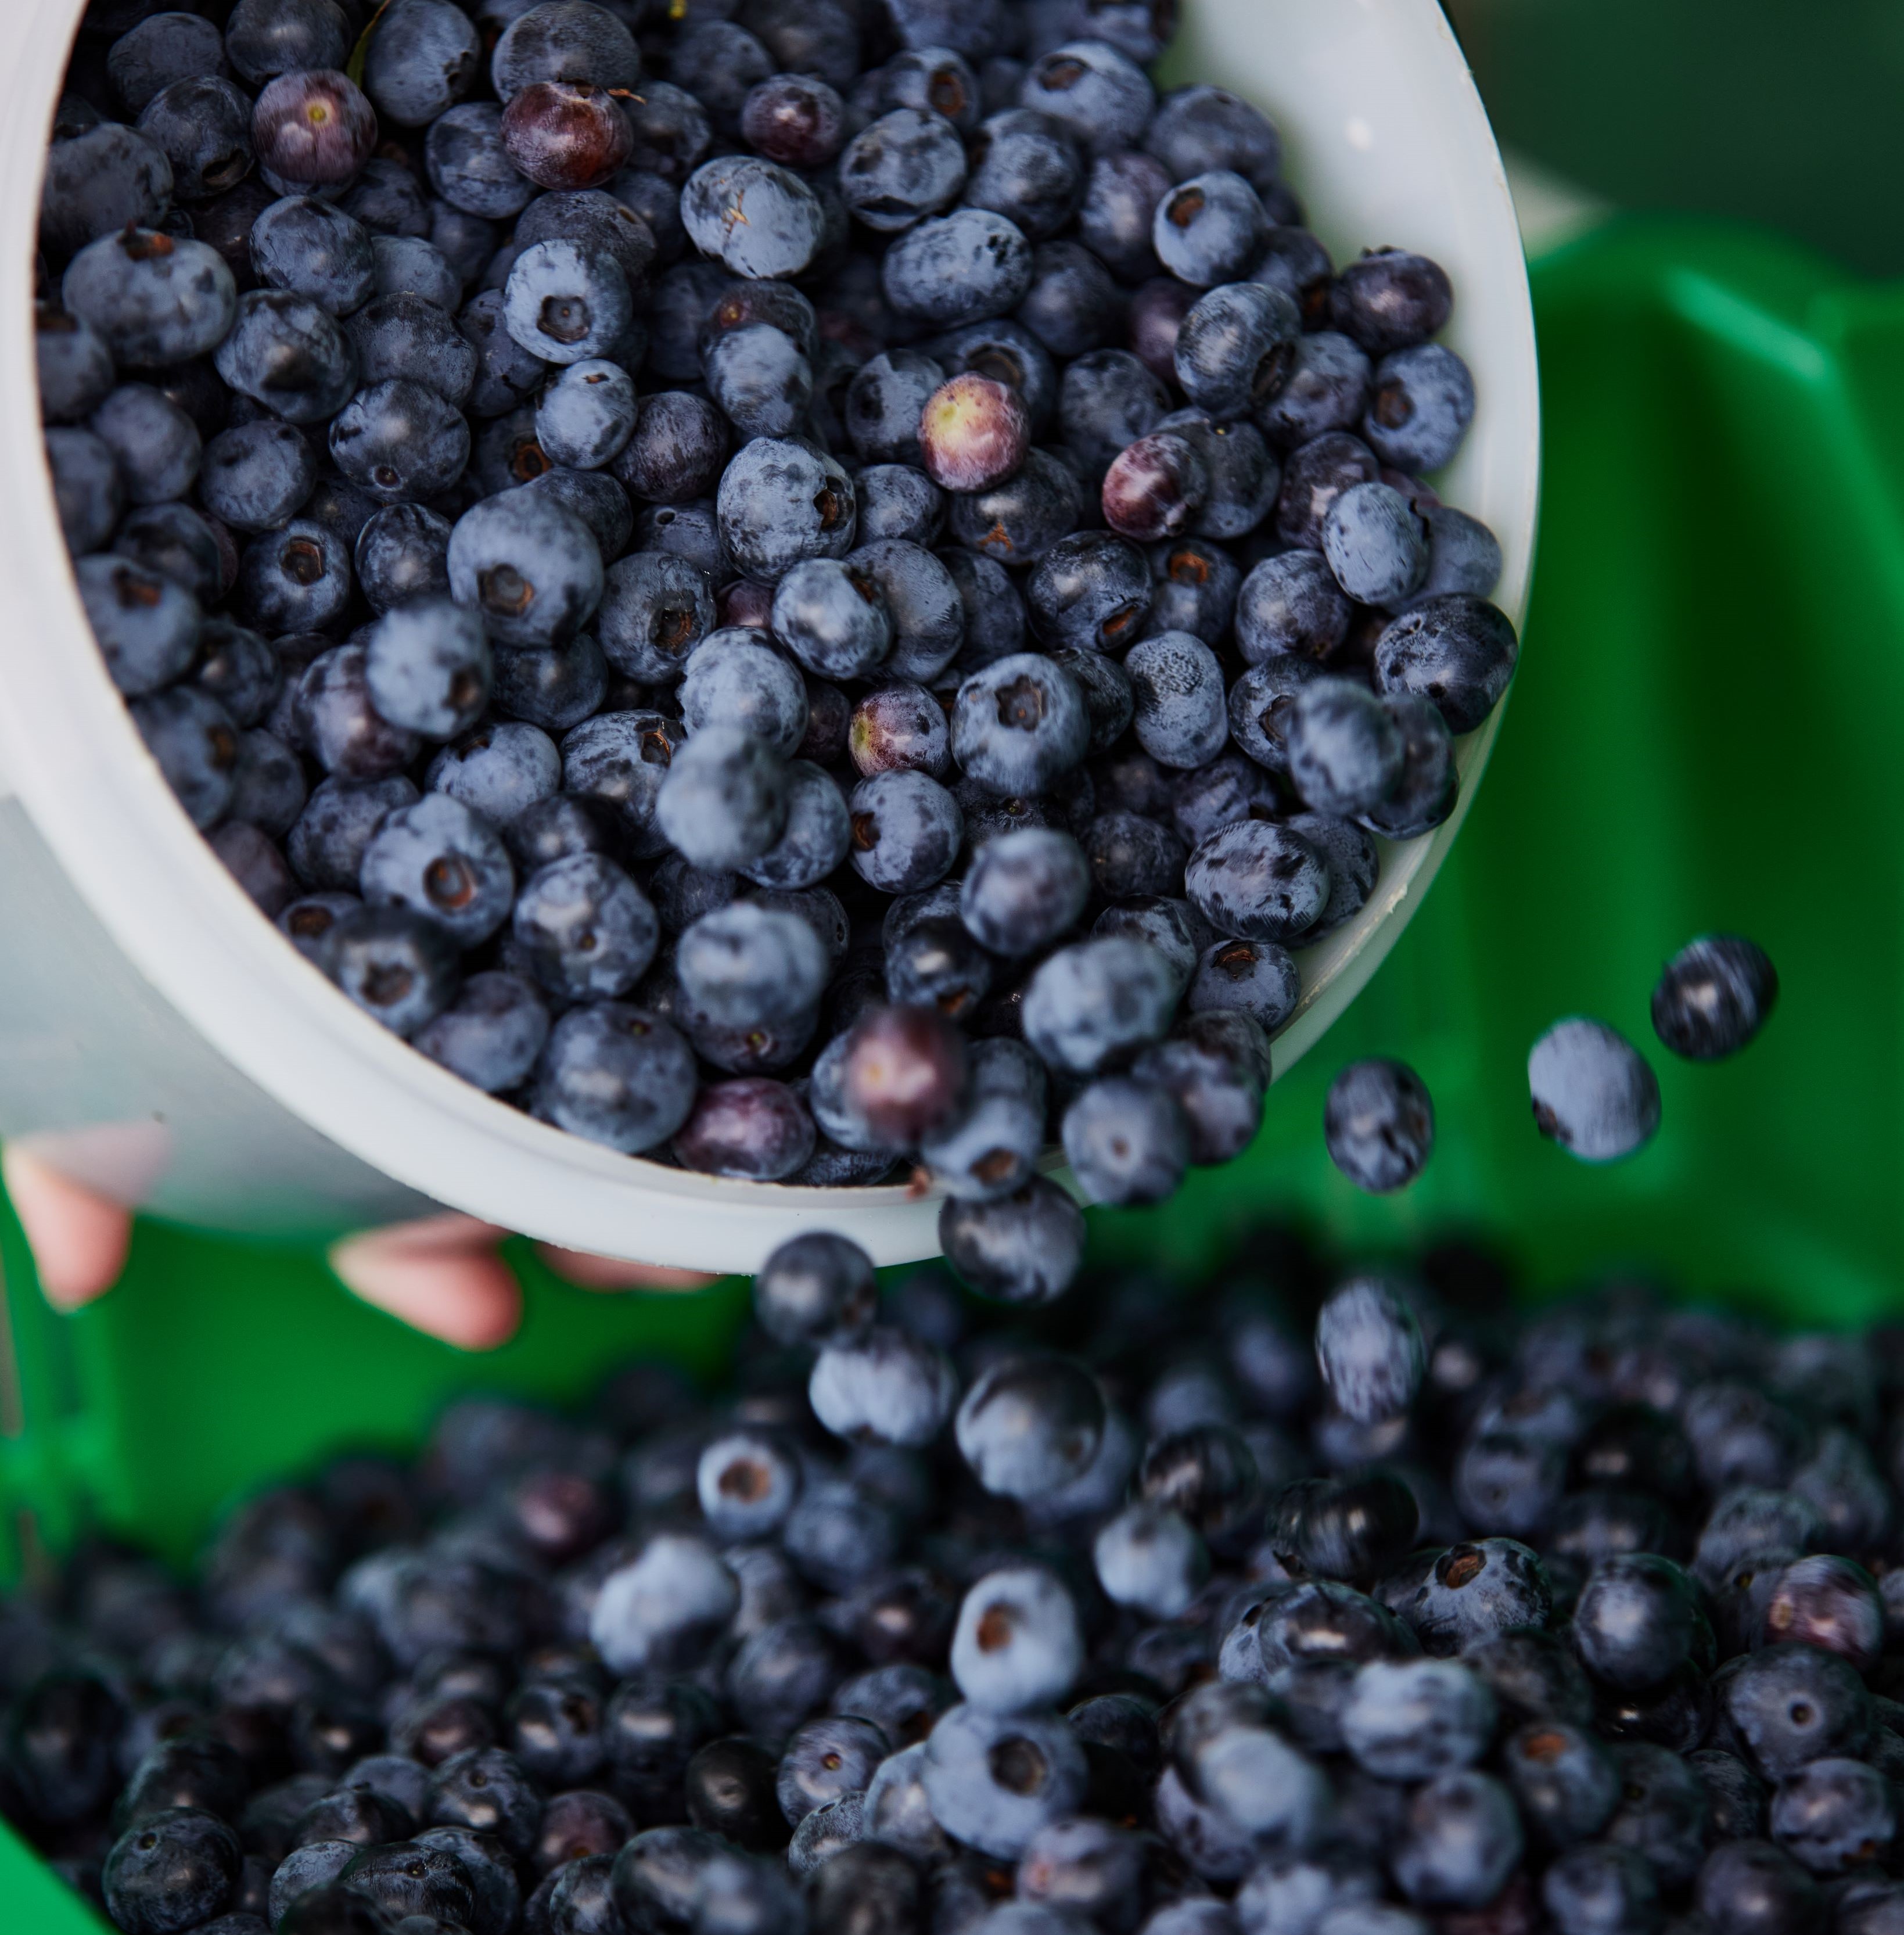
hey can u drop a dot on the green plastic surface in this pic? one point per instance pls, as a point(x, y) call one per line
point(1701, 737)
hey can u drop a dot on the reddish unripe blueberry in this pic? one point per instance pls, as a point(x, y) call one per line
point(564, 135)
point(312, 126)
point(896, 725)
point(744, 602)
point(904, 1072)
point(972, 433)
point(1830, 1603)
point(794, 119)
point(1155, 487)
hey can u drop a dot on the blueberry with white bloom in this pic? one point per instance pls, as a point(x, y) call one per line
point(663, 1605)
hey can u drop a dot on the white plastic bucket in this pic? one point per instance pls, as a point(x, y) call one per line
point(161, 1042)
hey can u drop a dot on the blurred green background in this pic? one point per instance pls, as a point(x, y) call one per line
point(1758, 110)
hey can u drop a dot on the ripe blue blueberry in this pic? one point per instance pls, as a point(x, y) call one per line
point(882, 1386)
point(1591, 1092)
point(438, 858)
point(1379, 1124)
point(1713, 996)
point(426, 668)
point(492, 1034)
point(617, 1075)
point(565, 303)
point(733, 679)
point(586, 929)
point(1376, 544)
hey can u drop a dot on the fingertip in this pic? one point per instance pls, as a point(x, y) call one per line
point(469, 1299)
point(587, 1271)
point(79, 1238)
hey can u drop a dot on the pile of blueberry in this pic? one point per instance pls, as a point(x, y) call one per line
point(1136, 1612)
point(792, 586)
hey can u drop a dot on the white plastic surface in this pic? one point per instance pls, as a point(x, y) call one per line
point(160, 1039)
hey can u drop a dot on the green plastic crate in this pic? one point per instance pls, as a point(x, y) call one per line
point(1702, 737)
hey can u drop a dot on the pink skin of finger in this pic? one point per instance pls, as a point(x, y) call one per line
point(441, 1275)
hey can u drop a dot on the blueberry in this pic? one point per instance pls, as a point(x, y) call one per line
point(268, 784)
point(1291, 605)
point(492, 1034)
point(565, 303)
point(1713, 996)
point(1025, 169)
point(154, 445)
point(1201, 127)
point(1120, 195)
point(1563, 1778)
point(883, 404)
point(761, 381)
point(147, 627)
point(1023, 1248)
point(567, 136)
point(401, 334)
point(1210, 229)
point(753, 1129)
point(152, 299)
point(905, 165)
point(1236, 349)
point(193, 739)
point(1753, 1887)
point(746, 966)
point(311, 248)
point(1464, 556)
point(159, 50)
point(497, 770)
point(1100, 96)
point(1155, 488)
point(1379, 1124)
point(871, 1884)
point(426, 668)
point(1425, 795)
point(100, 180)
point(898, 502)
point(988, 1153)
point(1461, 1838)
point(993, 1779)
point(531, 568)
point(1097, 1001)
point(1598, 1888)
point(1126, 1140)
point(1327, 389)
point(1181, 719)
point(75, 367)
point(437, 858)
point(882, 1387)
point(795, 119)
point(1456, 651)
point(753, 216)
point(312, 127)
point(1791, 1704)
point(1417, 1719)
point(733, 681)
point(1390, 300)
point(424, 57)
point(1376, 544)
point(1258, 881)
point(88, 491)
point(587, 930)
point(1024, 890)
point(396, 964)
point(1421, 402)
point(1591, 1092)
point(1092, 590)
point(780, 502)
point(723, 802)
point(326, 846)
point(825, 1760)
point(1369, 1347)
point(951, 270)
point(1476, 1590)
point(1833, 1814)
point(1254, 977)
